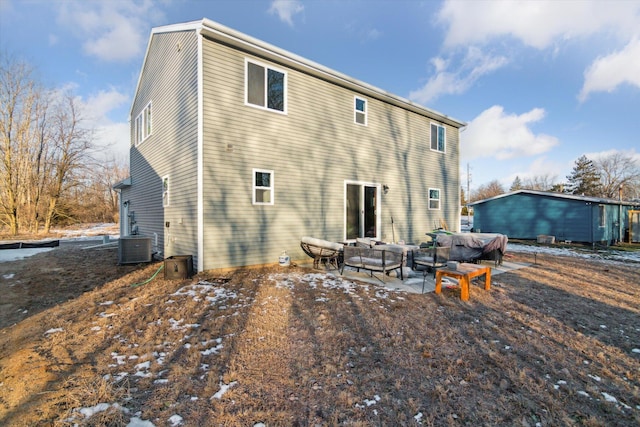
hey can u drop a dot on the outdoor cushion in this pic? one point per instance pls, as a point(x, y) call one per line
point(322, 243)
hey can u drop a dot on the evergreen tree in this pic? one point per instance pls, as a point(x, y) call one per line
point(584, 178)
point(517, 184)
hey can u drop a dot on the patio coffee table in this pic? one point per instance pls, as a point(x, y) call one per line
point(464, 273)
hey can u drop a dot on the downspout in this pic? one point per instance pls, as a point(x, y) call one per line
point(200, 166)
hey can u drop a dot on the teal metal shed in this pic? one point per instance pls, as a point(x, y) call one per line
point(527, 214)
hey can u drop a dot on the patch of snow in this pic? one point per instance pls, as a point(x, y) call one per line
point(223, 389)
point(609, 398)
point(137, 422)
point(9, 276)
point(605, 255)
point(175, 420)
point(635, 350)
point(53, 331)
point(16, 254)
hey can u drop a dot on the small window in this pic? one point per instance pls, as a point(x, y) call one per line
point(265, 87)
point(143, 125)
point(360, 110)
point(165, 191)
point(438, 137)
point(434, 199)
point(262, 187)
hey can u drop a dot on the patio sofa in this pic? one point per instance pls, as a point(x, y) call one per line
point(374, 259)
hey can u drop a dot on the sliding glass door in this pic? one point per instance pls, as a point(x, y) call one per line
point(361, 210)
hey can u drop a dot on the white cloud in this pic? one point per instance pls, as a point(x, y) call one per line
point(630, 153)
point(536, 23)
point(112, 31)
point(502, 136)
point(102, 103)
point(541, 166)
point(97, 110)
point(286, 9)
point(474, 65)
point(607, 73)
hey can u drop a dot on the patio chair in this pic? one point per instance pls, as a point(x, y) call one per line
point(430, 259)
point(322, 251)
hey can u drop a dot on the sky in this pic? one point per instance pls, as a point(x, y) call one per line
point(539, 83)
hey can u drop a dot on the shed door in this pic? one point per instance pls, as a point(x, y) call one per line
point(634, 226)
point(361, 210)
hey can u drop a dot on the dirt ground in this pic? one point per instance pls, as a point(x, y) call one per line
point(556, 343)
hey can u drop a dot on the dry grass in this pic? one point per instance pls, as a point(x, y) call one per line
point(551, 344)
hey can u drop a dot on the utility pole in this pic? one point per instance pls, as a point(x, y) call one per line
point(468, 193)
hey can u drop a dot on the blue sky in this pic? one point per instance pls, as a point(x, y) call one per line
point(540, 83)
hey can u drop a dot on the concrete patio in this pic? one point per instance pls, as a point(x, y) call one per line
point(413, 279)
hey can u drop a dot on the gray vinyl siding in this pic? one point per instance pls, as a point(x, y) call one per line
point(313, 150)
point(169, 81)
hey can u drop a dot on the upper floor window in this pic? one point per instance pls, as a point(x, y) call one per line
point(438, 137)
point(262, 187)
point(434, 198)
point(143, 124)
point(360, 110)
point(265, 87)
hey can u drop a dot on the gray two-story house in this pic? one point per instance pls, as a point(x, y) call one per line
point(239, 149)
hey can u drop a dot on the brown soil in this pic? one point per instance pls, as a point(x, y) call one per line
point(556, 343)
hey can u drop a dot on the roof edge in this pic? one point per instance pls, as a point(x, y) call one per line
point(558, 196)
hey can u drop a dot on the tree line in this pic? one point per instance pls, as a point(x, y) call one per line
point(51, 170)
point(610, 176)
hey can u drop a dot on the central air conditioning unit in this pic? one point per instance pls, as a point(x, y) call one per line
point(134, 250)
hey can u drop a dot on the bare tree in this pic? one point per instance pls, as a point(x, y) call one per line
point(71, 146)
point(486, 191)
point(19, 100)
point(540, 182)
point(619, 170)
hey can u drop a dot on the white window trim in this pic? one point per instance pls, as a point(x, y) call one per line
point(246, 86)
point(438, 125)
point(439, 199)
point(166, 191)
point(140, 130)
point(356, 111)
point(271, 188)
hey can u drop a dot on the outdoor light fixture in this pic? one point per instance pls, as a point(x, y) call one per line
point(385, 188)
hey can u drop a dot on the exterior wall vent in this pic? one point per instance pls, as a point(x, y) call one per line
point(134, 250)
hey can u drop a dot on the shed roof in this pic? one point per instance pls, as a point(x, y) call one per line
point(599, 200)
point(258, 47)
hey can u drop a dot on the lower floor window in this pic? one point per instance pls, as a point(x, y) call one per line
point(434, 198)
point(165, 192)
point(262, 187)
